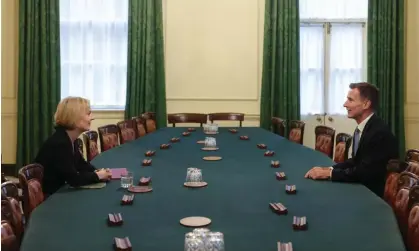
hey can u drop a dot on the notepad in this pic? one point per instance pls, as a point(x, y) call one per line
point(116, 172)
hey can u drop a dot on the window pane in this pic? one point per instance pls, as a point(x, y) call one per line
point(346, 63)
point(94, 35)
point(311, 69)
point(333, 9)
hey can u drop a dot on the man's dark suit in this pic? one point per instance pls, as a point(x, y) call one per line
point(63, 163)
point(368, 165)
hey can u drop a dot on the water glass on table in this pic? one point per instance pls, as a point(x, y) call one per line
point(193, 243)
point(127, 179)
point(210, 142)
point(215, 241)
point(214, 128)
point(194, 175)
point(201, 233)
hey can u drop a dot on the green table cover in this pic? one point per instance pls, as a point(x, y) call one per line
point(341, 217)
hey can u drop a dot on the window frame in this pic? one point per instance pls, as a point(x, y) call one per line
point(69, 21)
point(327, 26)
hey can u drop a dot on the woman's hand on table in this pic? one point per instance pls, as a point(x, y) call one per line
point(104, 174)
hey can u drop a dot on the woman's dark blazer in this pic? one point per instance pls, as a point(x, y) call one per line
point(63, 163)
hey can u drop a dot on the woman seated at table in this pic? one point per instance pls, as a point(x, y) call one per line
point(59, 155)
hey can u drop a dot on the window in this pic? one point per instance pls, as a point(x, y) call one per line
point(94, 35)
point(332, 53)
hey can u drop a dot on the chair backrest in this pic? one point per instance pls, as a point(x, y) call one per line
point(394, 168)
point(150, 121)
point(6, 210)
point(187, 118)
point(278, 126)
point(405, 182)
point(10, 189)
point(8, 238)
point(232, 116)
point(413, 220)
point(11, 211)
point(412, 155)
point(296, 133)
point(90, 140)
point(325, 140)
point(30, 178)
point(343, 143)
point(140, 125)
point(413, 167)
point(108, 137)
point(127, 131)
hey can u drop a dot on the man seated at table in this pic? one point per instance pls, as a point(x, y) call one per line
point(59, 155)
point(373, 143)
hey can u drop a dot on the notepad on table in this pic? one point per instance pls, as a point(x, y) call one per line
point(117, 172)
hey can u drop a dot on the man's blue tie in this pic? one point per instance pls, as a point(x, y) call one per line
point(356, 140)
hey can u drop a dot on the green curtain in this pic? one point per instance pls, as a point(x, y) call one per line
point(39, 75)
point(386, 62)
point(146, 89)
point(280, 95)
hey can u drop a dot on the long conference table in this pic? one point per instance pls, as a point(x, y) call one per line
point(340, 216)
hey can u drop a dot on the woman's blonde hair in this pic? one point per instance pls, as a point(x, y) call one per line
point(70, 110)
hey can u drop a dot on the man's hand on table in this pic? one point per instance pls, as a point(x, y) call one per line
point(319, 173)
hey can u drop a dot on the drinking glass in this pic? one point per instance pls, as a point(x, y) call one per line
point(215, 241)
point(193, 243)
point(210, 142)
point(213, 142)
point(201, 233)
point(189, 173)
point(195, 175)
point(127, 179)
